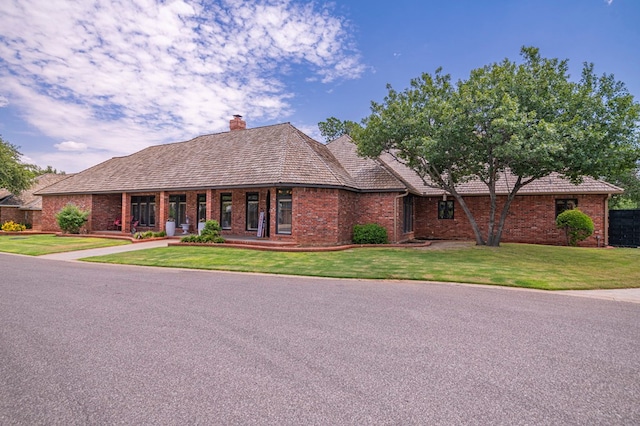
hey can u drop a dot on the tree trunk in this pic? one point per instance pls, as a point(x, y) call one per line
point(505, 211)
point(474, 225)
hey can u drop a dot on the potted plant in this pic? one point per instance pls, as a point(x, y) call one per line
point(170, 226)
point(185, 226)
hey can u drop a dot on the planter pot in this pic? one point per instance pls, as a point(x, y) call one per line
point(200, 227)
point(170, 228)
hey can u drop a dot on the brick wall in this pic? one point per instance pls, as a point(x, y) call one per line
point(531, 219)
point(24, 217)
point(11, 214)
point(347, 216)
point(52, 204)
point(105, 208)
point(379, 208)
point(315, 216)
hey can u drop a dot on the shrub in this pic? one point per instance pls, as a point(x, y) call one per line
point(371, 233)
point(149, 234)
point(210, 234)
point(11, 226)
point(70, 218)
point(576, 224)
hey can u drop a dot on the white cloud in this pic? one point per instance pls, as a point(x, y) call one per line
point(608, 1)
point(117, 76)
point(3, 101)
point(71, 146)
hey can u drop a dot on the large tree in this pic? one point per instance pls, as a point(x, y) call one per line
point(333, 128)
point(15, 176)
point(629, 180)
point(524, 120)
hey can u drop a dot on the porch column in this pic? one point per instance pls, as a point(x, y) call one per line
point(209, 194)
point(126, 213)
point(163, 210)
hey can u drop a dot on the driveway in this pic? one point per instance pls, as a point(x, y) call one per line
point(105, 344)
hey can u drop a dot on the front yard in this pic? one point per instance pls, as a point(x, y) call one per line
point(516, 265)
point(37, 245)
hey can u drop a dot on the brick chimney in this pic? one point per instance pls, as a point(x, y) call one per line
point(237, 123)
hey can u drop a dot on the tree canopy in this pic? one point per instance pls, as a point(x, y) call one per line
point(38, 171)
point(630, 181)
point(524, 120)
point(15, 176)
point(333, 128)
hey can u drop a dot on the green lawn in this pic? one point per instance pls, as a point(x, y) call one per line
point(517, 265)
point(36, 245)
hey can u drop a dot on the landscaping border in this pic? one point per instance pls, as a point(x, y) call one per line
point(264, 247)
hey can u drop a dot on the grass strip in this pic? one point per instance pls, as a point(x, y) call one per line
point(37, 245)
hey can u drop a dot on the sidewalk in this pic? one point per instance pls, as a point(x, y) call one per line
point(620, 295)
point(79, 254)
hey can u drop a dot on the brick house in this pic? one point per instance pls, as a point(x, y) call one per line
point(26, 208)
point(278, 181)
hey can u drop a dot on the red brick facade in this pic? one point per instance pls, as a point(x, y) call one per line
point(325, 216)
point(52, 204)
point(531, 219)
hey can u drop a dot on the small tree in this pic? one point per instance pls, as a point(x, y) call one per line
point(70, 218)
point(576, 224)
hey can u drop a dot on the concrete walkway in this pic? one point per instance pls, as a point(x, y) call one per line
point(79, 254)
point(621, 295)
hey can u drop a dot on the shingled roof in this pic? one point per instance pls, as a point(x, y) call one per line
point(369, 174)
point(28, 199)
point(264, 156)
point(552, 184)
point(278, 155)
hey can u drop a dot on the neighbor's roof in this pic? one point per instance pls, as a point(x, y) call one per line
point(270, 155)
point(28, 200)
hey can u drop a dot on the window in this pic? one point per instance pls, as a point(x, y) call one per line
point(178, 208)
point(408, 214)
point(252, 211)
point(225, 211)
point(202, 207)
point(284, 213)
point(445, 209)
point(563, 204)
point(143, 209)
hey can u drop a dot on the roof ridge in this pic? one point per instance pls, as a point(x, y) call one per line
point(204, 135)
point(283, 151)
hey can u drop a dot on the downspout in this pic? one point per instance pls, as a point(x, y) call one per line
point(395, 214)
point(606, 220)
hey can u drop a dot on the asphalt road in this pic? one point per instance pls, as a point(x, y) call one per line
point(89, 344)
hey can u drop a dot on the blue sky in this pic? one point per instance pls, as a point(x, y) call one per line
point(81, 83)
